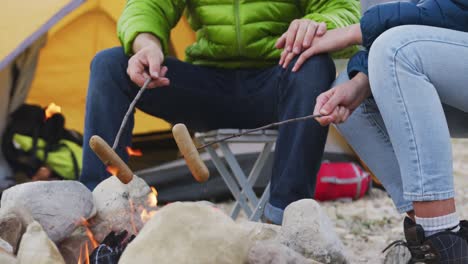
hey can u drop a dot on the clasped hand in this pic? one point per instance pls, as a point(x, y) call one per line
point(306, 38)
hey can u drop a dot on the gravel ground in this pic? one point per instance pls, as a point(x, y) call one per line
point(368, 225)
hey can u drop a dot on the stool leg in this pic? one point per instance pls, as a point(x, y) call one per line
point(257, 213)
point(229, 180)
point(238, 174)
point(258, 167)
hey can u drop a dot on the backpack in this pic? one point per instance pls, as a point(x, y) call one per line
point(32, 140)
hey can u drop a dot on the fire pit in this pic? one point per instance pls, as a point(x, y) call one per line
point(63, 222)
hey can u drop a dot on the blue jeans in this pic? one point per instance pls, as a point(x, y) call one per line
point(206, 98)
point(419, 82)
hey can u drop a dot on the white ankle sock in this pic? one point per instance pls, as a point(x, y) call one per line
point(438, 224)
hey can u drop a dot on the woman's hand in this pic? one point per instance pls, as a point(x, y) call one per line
point(338, 103)
point(332, 40)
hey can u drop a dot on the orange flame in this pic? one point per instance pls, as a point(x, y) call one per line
point(134, 152)
point(81, 256)
point(112, 170)
point(90, 234)
point(87, 253)
point(153, 197)
point(51, 110)
point(132, 215)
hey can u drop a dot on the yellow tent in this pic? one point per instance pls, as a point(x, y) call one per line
point(63, 68)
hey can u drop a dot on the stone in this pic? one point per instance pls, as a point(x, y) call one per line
point(11, 229)
point(272, 252)
point(37, 248)
point(193, 233)
point(71, 246)
point(59, 206)
point(5, 246)
point(307, 230)
point(7, 257)
point(260, 231)
point(119, 206)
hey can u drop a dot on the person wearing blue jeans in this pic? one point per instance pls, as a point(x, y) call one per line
point(206, 98)
point(398, 105)
point(231, 79)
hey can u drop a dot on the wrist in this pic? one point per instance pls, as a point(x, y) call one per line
point(361, 82)
point(354, 34)
point(145, 40)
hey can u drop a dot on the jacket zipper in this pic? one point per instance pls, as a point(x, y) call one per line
point(236, 14)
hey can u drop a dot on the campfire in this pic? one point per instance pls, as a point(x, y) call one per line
point(60, 222)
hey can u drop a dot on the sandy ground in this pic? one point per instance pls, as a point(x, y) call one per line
point(368, 225)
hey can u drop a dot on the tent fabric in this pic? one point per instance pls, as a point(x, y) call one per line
point(63, 70)
point(23, 22)
point(15, 81)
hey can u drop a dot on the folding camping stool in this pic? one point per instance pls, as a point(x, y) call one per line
point(240, 186)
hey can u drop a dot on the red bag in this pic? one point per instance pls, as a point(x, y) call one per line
point(341, 180)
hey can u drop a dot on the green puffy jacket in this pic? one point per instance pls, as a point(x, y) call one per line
point(231, 33)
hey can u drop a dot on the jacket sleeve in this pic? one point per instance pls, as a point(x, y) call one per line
point(382, 17)
point(157, 17)
point(358, 63)
point(336, 14)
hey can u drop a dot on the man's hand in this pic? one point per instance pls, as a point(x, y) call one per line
point(147, 62)
point(298, 37)
point(338, 103)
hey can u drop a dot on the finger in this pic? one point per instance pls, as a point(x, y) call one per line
point(297, 46)
point(135, 71)
point(291, 35)
point(331, 104)
point(281, 41)
point(154, 64)
point(309, 37)
point(284, 53)
point(163, 72)
point(288, 59)
point(347, 114)
point(162, 82)
point(302, 58)
point(321, 29)
point(341, 115)
point(335, 115)
point(321, 100)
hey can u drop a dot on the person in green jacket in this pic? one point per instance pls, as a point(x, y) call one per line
point(231, 79)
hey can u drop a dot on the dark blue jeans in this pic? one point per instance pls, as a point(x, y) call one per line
point(206, 98)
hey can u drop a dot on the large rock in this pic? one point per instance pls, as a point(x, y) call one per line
point(192, 233)
point(119, 206)
point(5, 246)
point(271, 252)
point(11, 229)
point(59, 206)
point(260, 231)
point(308, 230)
point(37, 248)
point(70, 247)
point(7, 257)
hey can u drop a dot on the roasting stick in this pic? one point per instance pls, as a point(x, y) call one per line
point(129, 112)
point(292, 120)
point(107, 154)
point(196, 165)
